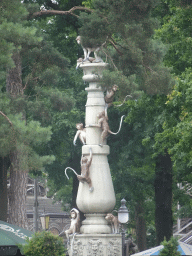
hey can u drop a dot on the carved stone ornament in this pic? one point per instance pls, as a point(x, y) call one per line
point(95, 247)
point(113, 248)
point(77, 248)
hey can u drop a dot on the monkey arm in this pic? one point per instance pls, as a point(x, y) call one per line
point(90, 157)
point(81, 160)
point(100, 121)
point(95, 125)
point(75, 138)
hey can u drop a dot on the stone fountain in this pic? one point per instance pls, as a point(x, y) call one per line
point(95, 237)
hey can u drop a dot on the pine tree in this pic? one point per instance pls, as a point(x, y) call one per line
point(170, 248)
point(24, 138)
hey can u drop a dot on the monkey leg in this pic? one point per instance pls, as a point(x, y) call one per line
point(103, 137)
point(89, 181)
point(80, 178)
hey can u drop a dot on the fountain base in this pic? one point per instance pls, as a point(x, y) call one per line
point(95, 245)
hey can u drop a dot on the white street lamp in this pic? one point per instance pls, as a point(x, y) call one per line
point(123, 217)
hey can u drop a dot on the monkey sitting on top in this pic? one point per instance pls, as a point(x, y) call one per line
point(87, 51)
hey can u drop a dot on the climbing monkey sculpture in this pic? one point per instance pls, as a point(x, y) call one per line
point(81, 133)
point(85, 172)
point(110, 94)
point(109, 97)
point(103, 123)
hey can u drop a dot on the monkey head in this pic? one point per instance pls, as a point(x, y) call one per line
point(109, 216)
point(79, 126)
point(84, 159)
point(101, 114)
point(74, 212)
point(115, 87)
point(78, 39)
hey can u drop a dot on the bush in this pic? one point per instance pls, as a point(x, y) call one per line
point(43, 244)
point(170, 248)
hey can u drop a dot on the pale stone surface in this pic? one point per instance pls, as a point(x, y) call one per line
point(95, 238)
point(95, 224)
point(102, 199)
point(95, 245)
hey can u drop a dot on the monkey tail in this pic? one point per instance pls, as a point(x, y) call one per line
point(124, 100)
point(61, 233)
point(115, 133)
point(70, 169)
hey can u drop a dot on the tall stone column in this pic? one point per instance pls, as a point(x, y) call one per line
point(95, 238)
point(98, 203)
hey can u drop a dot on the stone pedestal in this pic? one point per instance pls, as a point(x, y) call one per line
point(95, 238)
point(95, 245)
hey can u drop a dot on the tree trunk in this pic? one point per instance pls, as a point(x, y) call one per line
point(14, 77)
point(4, 165)
point(18, 177)
point(140, 227)
point(163, 198)
point(17, 192)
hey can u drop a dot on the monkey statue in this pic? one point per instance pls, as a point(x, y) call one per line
point(75, 224)
point(103, 123)
point(85, 174)
point(81, 133)
point(114, 222)
point(87, 51)
point(109, 97)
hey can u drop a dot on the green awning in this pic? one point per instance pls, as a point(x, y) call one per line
point(10, 236)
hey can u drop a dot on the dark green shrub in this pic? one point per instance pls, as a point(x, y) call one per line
point(43, 244)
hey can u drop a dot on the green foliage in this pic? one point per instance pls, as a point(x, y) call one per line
point(131, 162)
point(44, 244)
point(176, 135)
point(129, 45)
point(170, 248)
point(176, 117)
point(42, 122)
point(176, 33)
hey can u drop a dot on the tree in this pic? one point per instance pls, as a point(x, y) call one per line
point(136, 66)
point(25, 151)
point(176, 33)
point(170, 248)
point(134, 54)
point(140, 176)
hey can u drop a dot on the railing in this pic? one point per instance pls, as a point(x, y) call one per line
point(183, 236)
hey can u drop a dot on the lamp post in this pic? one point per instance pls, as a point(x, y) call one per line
point(123, 217)
point(45, 221)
